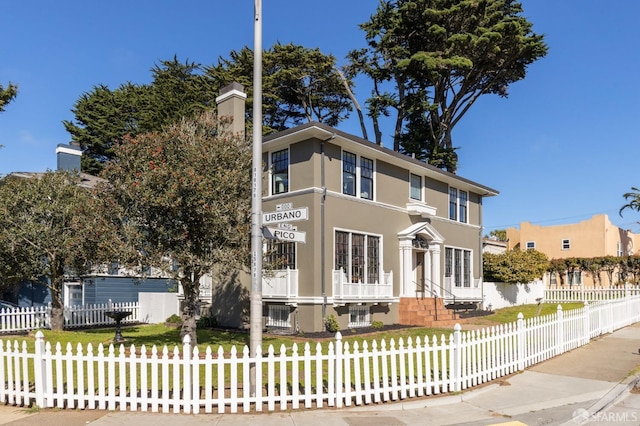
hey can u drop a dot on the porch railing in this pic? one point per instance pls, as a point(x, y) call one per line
point(343, 289)
point(282, 283)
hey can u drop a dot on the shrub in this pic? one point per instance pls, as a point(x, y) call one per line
point(207, 322)
point(377, 325)
point(331, 324)
point(174, 319)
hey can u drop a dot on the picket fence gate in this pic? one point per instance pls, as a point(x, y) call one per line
point(183, 380)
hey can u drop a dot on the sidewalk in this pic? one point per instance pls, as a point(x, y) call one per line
point(594, 382)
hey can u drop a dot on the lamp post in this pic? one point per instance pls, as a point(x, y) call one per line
point(255, 320)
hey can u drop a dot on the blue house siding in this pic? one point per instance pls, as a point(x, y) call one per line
point(101, 289)
point(33, 294)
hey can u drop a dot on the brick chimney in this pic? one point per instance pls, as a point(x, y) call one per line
point(231, 102)
point(69, 157)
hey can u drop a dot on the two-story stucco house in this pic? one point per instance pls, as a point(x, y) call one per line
point(384, 234)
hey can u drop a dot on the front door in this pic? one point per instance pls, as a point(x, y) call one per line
point(419, 284)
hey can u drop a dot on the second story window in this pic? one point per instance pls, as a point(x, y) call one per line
point(366, 178)
point(280, 171)
point(453, 204)
point(531, 245)
point(415, 192)
point(348, 173)
point(458, 208)
point(566, 244)
point(357, 177)
point(462, 206)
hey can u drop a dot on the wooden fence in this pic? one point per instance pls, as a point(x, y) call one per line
point(183, 380)
point(32, 318)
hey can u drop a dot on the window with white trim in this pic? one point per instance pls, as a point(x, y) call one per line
point(457, 266)
point(279, 316)
point(574, 277)
point(458, 204)
point(415, 187)
point(281, 254)
point(357, 176)
point(553, 278)
point(618, 249)
point(358, 256)
point(359, 316)
point(566, 244)
point(280, 171)
point(531, 245)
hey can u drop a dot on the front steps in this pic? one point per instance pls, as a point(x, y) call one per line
point(426, 312)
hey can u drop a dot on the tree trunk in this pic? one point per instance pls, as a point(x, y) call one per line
point(191, 299)
point(56, 321)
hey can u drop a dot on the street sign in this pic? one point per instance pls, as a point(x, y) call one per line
point(285, 216)
point(284, 206)
point(284, 235)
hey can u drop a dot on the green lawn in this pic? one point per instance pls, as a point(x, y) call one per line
point(161, 335)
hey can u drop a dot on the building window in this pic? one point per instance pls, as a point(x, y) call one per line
point(574, 277)
point(618, 249)
point(366, 178)
point(281, 254)
point(553, 278)
point(531, 245)
point(280, 171)
point(457, 266)
point(566, 244)
point(114, 268)
point(357, 179)
point(453, 204)
point(462, 207)
point(415, 192)
point(458, 205)
point(279, 316)
point(358, 256)
point(348, 173)
point(359, 316)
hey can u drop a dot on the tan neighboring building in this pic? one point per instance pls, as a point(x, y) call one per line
point(595, 237)
point(360, 232)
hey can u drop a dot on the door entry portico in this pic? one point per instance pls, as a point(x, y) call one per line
point(420, 247)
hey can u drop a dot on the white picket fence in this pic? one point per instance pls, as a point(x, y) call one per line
point(581, 294)
point(183, 380)
point(32, 318)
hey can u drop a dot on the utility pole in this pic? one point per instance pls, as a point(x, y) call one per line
point(255, 323)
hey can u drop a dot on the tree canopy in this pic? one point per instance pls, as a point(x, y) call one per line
point(103, 117)
point(7, 95)
point(51, 228)
point(633, 199)
point(430, 61)
point(299, 85)
point(186, 193)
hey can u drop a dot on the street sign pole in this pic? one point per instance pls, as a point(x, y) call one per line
point(255, 318)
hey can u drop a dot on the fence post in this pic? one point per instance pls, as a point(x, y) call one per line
point(186, 374)
point(457, 355)
point(560, 331)
point(521, 336)
point(39, 369)
point(339, 379)
point(587, 323)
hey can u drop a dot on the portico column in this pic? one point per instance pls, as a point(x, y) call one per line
point(436, 277)
point(406, 268)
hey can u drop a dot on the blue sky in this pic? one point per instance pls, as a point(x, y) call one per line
point(560, 149)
